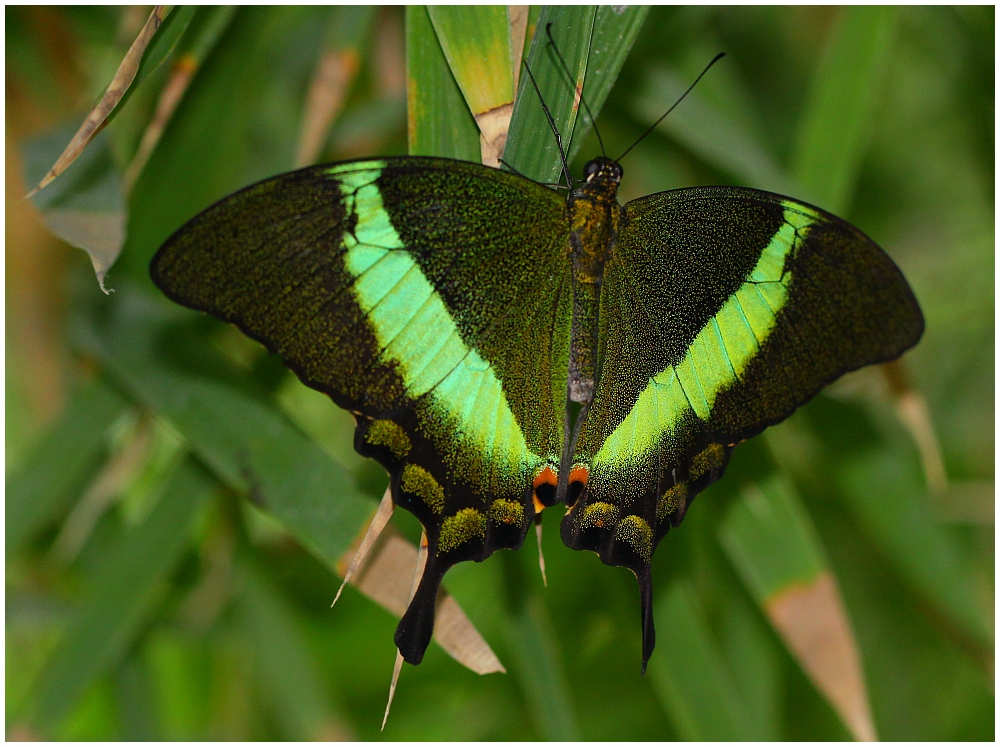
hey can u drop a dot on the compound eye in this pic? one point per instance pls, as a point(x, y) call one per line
point(590, 169)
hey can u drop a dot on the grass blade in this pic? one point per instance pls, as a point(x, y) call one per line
point(615, 29)
point(533, 645)
point(285, 670)
point(208, 26)
point(476, 41)
point(438, 121)
point(773, 545)
point(121, 592)
point(690, 673)
point(59, 467)
point(531, 148)
point(711, 134)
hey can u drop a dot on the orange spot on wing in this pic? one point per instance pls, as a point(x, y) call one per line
point(539, 506)
point(546, 476)
point(579, 473)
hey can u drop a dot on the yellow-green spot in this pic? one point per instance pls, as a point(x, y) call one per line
point(634, 530)
point(599, 515)
point(671, 500)
point(503, 511)
point(456, 530)
point(707, 460)
point(389, 434)
point(419, 482)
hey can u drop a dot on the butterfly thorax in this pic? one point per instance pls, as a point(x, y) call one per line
point(595, 217)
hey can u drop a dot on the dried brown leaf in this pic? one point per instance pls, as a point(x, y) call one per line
point(116, 89)
point(386, 577)
point(811, 619)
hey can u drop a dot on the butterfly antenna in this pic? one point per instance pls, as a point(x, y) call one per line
point(572, 81)
point(690, 88)
point(552, 124)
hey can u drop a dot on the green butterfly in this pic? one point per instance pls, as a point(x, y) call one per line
point(504, 348)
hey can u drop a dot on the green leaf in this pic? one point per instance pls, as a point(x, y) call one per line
point(690, 673)
point(770, 540)
point(615, 30)
point(774, 546)
point(57, 469)
point(161, 46)
point(531, 147)
point(250, 446)
point(475, 40)
point(85, 207)
point(840, 108)
point(438, 120)
point(120, 594)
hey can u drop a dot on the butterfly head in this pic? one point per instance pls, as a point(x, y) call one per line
point(603, 172)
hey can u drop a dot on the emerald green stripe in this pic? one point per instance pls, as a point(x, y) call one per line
point(416, 331)
point(716, 357)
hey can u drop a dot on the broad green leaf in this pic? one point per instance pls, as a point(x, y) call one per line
point(691, 675)
point(531, 145)
point(438, 121)
point(292, 685)
point(755, 659)
point(57, 469)
point(476, 40)
point(207, 26)
point(136, 700)
point(239, 124)
point(840, 107)
point(771, 541)
point(249, 445)
point(615, 30)
point(119, 596)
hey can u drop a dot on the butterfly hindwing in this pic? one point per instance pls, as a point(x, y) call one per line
point(723, 310)
point(394, 286)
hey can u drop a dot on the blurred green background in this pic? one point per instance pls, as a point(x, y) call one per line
point(177, 502)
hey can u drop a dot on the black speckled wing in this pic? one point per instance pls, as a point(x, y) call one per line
point(428, 296)
point(722, 311)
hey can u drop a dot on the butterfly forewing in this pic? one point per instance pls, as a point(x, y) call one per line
point(431, 298)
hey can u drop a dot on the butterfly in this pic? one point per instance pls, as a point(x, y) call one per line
point(506, 349)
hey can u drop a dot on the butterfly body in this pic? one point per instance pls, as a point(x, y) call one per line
point(505, 349)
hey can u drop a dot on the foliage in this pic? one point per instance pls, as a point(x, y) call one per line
point(159, 588)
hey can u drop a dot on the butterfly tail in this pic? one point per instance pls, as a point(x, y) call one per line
point(645, 578)
point(413, 634)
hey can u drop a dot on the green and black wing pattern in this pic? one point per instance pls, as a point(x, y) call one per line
point(723, 310)
point(431, 298)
